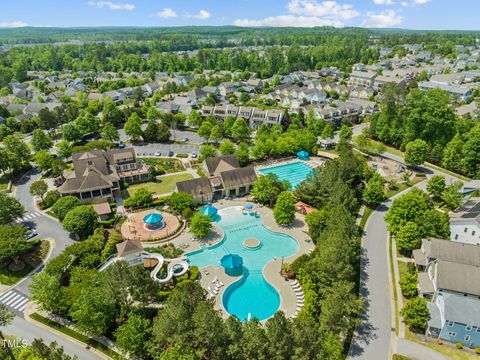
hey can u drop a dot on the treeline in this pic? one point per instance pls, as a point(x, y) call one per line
point(405, 119)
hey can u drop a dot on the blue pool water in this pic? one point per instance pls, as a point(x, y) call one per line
point(251, 293)
point(294, 172)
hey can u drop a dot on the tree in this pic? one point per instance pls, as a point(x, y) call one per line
point(436, 186)
point(284, 211)
point(93, 310)
point(408, 284)
point(13, 243)
point(47, 291)
point(109, 132)
point(139, 198)
point(453, 154)
point(243, 153)
point(205, 130)
point(240, 130)
point(133, 127)
point(86, 123)
point(194, 119)
point(317, 222)
point(374, 192)
point(408, 237)
point(415, 314)
point(16, 152)
point(6, 316)
point(179, 201)
point(267, 188)
point(163, 133)
point(114, 238)
point(226, 147)
point(216, 134)
point(346, 132)
point(38, 188)
point(64, 149)
point(416, 152)
point(207, 151)
point(452, 195)
point(43, 159)
point(64, 205)
point(81, 220)
point(57, 167)
point(10, 209)
point(40, 140)
point(327, 132)
point(132, 337)
point(71, 132)
point(50, 198)
point(409, 207)
point(200, 225)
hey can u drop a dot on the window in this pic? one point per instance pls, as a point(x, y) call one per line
point(451, 333)
point(473, 233)
point(467, 338)
point(456, 236)
point(465, 230)
point(478, 329)
point(468, 328)
point(450, 323)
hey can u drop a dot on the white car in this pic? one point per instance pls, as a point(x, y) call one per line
point(157, 153)
point(194, 155)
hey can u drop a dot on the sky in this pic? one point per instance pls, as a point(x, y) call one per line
point(408, 14)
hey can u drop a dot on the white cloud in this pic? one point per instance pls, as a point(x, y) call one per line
point(12, 24)
point(404, 3)
point(421, 1)
point(202, 15)
point(166, 13)
point(382, 19)
point(383, 2)
point(289, 20)
point(307, 13)
point(111, 5)
point(330, 9)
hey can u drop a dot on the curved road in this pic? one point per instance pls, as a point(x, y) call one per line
point(375, 336)
point(46, 228)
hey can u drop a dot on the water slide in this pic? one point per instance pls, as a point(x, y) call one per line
point(172, 264)
point(170, 267)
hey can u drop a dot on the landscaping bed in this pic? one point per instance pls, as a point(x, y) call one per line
point(168, 165)
point(164, 184)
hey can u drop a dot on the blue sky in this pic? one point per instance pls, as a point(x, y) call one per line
point(410, 14)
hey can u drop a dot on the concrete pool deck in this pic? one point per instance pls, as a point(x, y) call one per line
point(313, 162)
point(271, 271)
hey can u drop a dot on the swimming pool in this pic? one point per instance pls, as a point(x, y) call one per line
point(251, 295)
point(294, 172)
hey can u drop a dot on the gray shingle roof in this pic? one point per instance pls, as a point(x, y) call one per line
point(452, 251)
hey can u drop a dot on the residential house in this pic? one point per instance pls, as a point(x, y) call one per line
point(456, 91)
point(224, 177)
point(468, 110)
point(381, 81)
point(450, 279)
point(362, 78)
point(465, 222)
point(98, 173)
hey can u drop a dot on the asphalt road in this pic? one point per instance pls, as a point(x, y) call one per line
point(46, 227)
point(375, 334)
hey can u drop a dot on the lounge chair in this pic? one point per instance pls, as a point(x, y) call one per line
point(298, 291)
point(220, 283)
point(214, 280)
point(293, 283)
point(300, 297)
point(296, 286)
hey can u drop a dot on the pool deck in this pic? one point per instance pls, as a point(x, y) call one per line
point(313, 162)
point(272, 269)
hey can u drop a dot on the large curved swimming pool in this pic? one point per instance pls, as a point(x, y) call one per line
point(251, 295)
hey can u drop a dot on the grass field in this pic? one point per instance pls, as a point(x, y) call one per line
point(164, 184)
point(8, 277)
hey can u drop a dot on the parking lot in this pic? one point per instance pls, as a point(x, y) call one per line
point(163, 149)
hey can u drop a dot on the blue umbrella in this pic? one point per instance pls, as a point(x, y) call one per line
point(153, 218)
point(249, 206)
point(231, 261)
point(209, 210)
point(303, 154)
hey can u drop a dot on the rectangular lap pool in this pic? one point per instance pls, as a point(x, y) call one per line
point(294, 172)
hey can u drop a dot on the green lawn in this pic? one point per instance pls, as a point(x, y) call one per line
point(164, 184)
point(8, 277)
point(3, 182)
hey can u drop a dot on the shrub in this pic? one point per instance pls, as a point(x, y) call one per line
point(408, 284)
point(109, 222)
point(182, 155)
point(179, 201)
point(50, 198)
point(200, 225)
point(81, 220)
point(400, 357)
point(160, 170)
point(477, 350)
point(64, 205)
point(139, 198)
point(194, 273)
point(458, 345)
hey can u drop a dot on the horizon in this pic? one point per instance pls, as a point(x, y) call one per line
point(429, 15)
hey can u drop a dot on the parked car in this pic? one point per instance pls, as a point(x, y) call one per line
point(185, 139)
point(194, 155)
point(157, 153)
point(121, 144)
point(170, 153)
point(31, 234)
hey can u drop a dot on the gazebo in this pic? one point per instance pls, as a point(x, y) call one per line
point(303, 155)
point(154, 221)
point(233, 264)
point(209, 210)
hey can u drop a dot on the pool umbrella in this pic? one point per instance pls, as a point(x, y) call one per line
point(233, 264)
point(153, 218)
point(304, 155)
point(209, 210)
point(249, 206)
